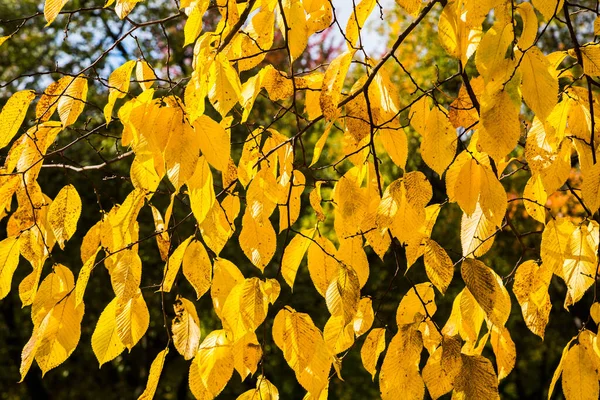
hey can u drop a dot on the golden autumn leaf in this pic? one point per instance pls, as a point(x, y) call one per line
point(13, 114)
point(154, 375)
point(64, 213)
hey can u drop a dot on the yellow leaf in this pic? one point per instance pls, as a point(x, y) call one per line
point(143, 175)
point(197, 267)
point(338, 335)
point(493, 47)
point(9, 259)
point(225, 277)
point(363, 320)
point(559, 368)
point(124, 7)
point(372, 348)
point(501, 127)
point(57, 322)
point(13, 114)
point(343, 294)
point(126, 275)
point(247, 353)
point(580, 263)
point(504, 350)
point(245, 308)
point(540, 89)
point(530, 25)
point(193, 25)
point(396, 145)
point(548, 8)
point(438, 265)
point(257, 240)
point(555, 243)
point(215, 142)
point(64, 213)
point(417, 305)
point(590, 52)
point(4, 39)
point(320, 144)
point(590, 189)
point(322, 264)
point(293, 255)
point(462, 111)
point(579, 375)
point(118, 86)
point(531, 290)
point(595, 312)
point(84, 276)
point(442, 367)
point(476, 380)
point(224, 85)
point(333, 82)
point(181, 151)
point(400, 370)
point(356, 21)
point(72, 100)
point(290, 210)
point(438, 146)
point(535, 198)
point(201, 190)
point(315, 201)
point(303, 348)
point(412, 7)
point(486, 287)
point(173, 264)
point(144, 74)
point(49, 100)
point(154, 375)
point(91, 242)
point(265, 390)
point(296, 33)
point(277, 84)
point(212, 367)
point(52, 8)
point(477, 233)
point(455, 36)
point(195, 95)
point(133, 319)
point(185, 328)
point(216, 229)
point(105, 340)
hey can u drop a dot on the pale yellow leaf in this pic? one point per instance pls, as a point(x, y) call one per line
point(185, 328)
